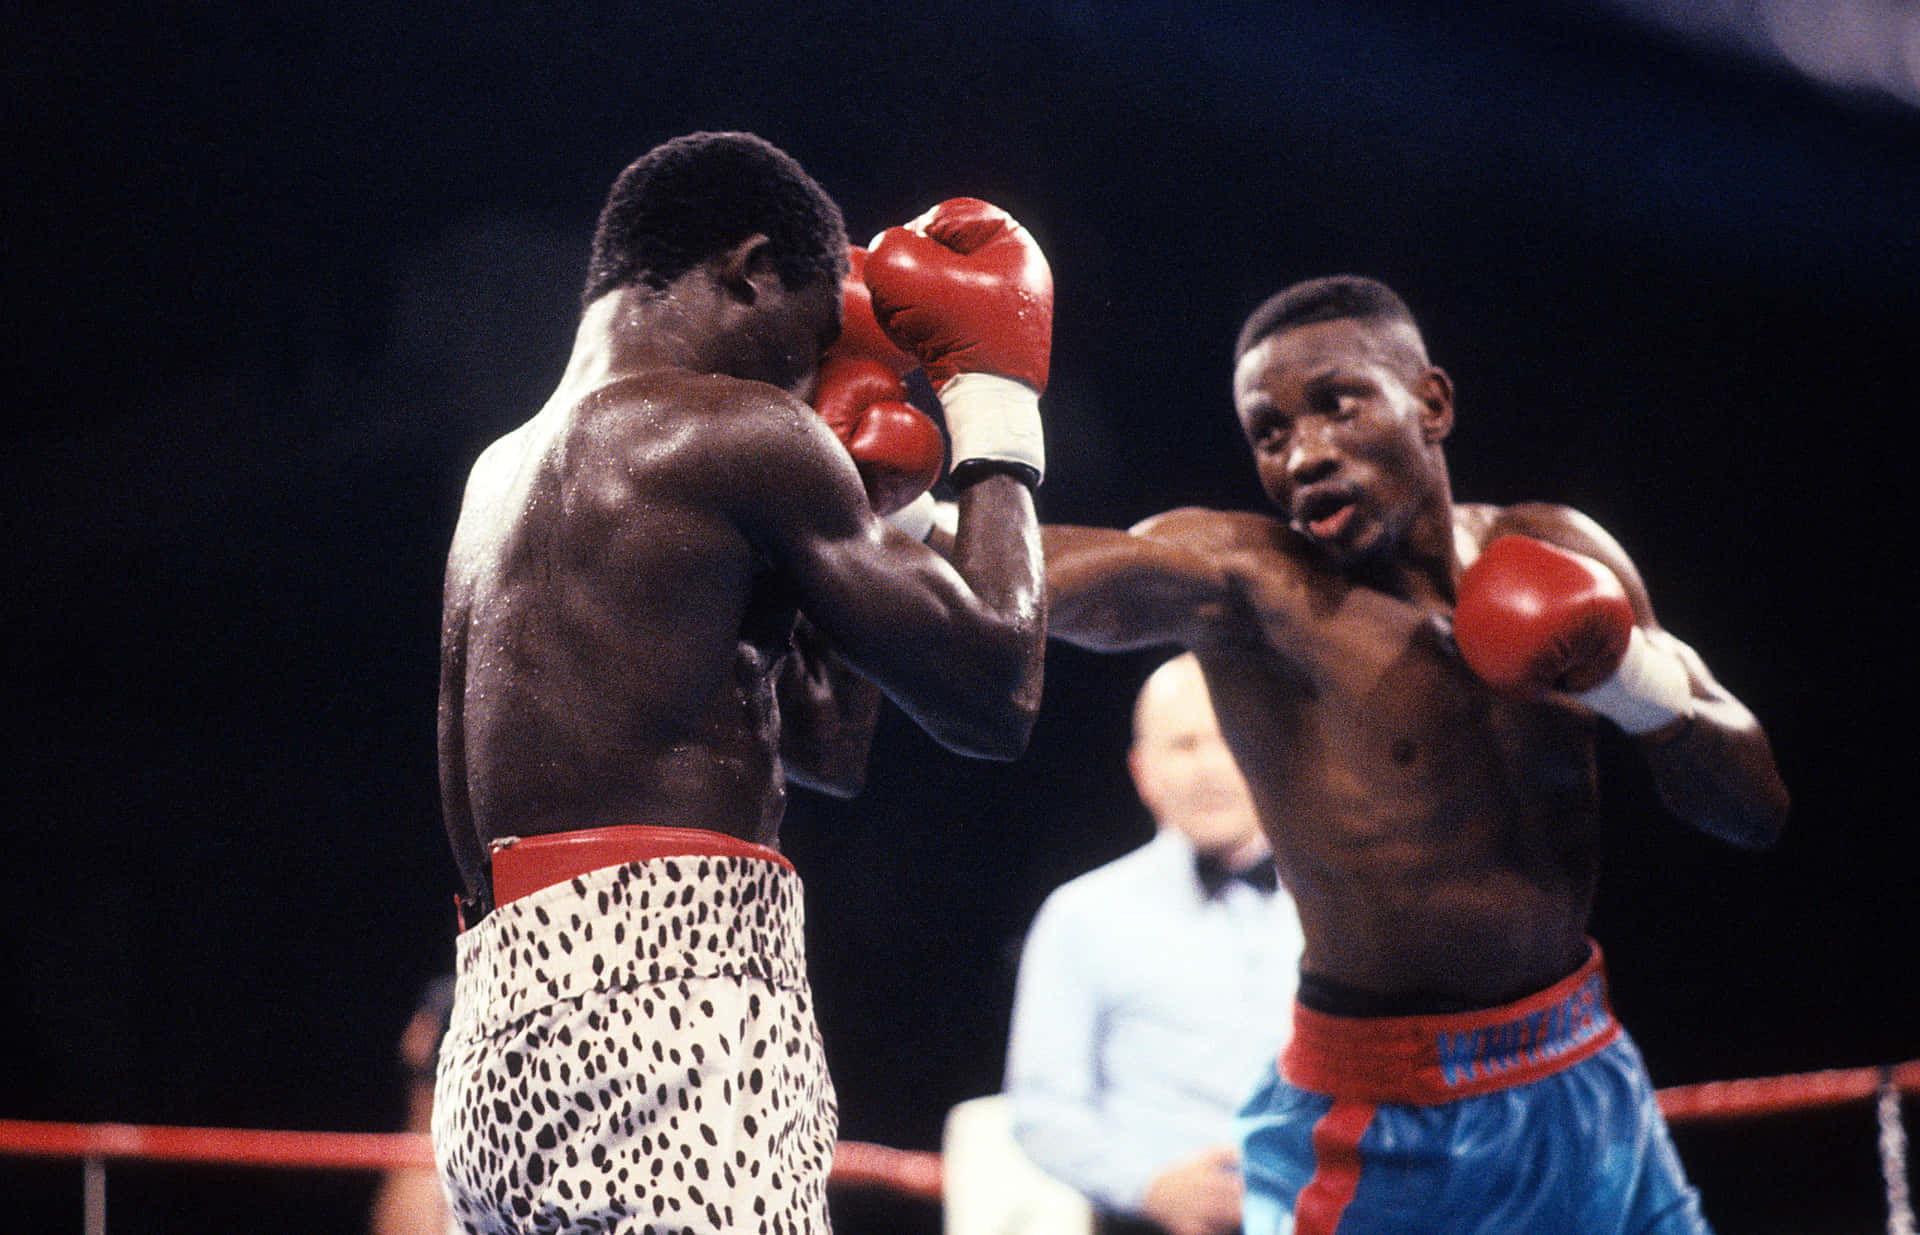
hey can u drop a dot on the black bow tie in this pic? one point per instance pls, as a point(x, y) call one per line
point(1214, 875)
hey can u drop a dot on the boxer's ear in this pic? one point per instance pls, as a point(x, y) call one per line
point(744, 267)
point(1435, 392)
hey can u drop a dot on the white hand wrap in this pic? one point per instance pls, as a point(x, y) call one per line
point(994, 419)
point(924, 516)
point(1649, 690)
point(915, 518)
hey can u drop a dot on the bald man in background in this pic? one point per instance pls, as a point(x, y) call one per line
point(1155, 989)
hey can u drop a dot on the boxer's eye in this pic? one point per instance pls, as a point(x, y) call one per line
point(1272, 433)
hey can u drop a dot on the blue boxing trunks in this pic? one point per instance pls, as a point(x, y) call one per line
point(1534, 1116)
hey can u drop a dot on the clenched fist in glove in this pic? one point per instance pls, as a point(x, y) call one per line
point(1535, 617)
point(897, 450)
point(967, 291)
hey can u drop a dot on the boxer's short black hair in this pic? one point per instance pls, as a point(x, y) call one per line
point(1323, 300)
point(690, 198)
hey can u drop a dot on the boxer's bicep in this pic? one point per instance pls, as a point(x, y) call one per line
point(1110, 590)
point(900, 614)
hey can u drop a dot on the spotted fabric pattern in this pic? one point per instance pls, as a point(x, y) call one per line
point(635, 1051)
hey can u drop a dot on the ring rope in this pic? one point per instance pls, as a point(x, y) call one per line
point(914, 1173)
point(856, 1164)
point(1769, 1095)
point(216, 1146)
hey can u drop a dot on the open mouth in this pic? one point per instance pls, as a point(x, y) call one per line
point(1325, 515)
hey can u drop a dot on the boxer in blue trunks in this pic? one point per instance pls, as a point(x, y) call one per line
point(1413, 688)
point(1533, 1116)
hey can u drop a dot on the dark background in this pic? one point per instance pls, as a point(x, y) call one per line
point(275, 276)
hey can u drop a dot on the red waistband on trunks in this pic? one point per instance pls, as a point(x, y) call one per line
point(524, 865)
point(1424, 1060)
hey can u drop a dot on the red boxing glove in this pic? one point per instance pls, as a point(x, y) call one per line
point(858, 392)
point(897, 450)
point(966, 289)
point(860, 333)
point(1533, 616)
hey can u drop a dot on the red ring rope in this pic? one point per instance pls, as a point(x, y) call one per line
point(1772, 1095)
point(856, 1163)
point(217, 1146)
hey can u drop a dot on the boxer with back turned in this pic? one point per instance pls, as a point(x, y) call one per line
point(668, 594)
point(1412, 688)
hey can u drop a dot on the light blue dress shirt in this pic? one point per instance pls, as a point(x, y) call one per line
point(1144, 1015)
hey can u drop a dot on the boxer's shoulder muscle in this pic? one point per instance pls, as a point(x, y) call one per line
point(669, 418)
point(1569, 529)
point(1212, 532)
point(1545, 521)
point(699, 448)
point(1267, 579)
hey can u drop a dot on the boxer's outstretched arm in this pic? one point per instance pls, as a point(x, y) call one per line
point(1110, 590)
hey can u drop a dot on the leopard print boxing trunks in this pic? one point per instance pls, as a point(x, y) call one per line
point(634, 1050)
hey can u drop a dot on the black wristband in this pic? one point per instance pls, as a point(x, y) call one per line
point(967, 471)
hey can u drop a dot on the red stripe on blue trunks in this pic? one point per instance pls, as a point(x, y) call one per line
point(1336, 1168)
